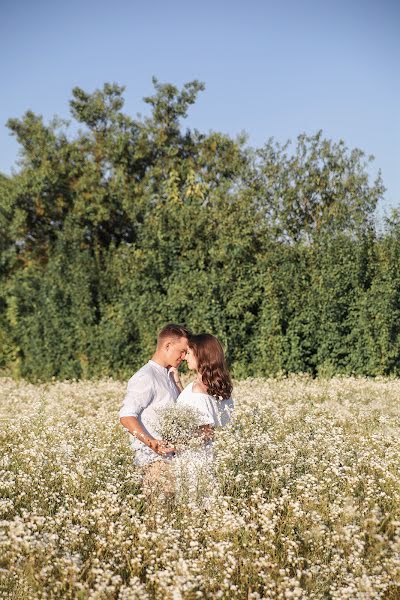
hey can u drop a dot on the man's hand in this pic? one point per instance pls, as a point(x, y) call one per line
point(161, 447)
point(132, 424)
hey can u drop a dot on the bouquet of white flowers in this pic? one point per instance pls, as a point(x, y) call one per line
point(179, 424)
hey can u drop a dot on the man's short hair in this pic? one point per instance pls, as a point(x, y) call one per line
point(172, 330)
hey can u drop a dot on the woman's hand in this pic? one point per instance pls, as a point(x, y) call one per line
point(174, 373)
point(206, 432)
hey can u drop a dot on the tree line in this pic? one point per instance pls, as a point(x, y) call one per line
point(107, 234)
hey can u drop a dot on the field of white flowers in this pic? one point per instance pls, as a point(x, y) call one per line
point(305, 499)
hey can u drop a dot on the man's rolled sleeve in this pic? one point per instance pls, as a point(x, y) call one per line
point(138, 396)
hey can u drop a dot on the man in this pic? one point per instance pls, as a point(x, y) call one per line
point(150, 390)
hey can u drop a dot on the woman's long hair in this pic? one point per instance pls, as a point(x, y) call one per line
point(211, 365)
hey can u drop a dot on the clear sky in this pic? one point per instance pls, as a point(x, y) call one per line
point(271, 68)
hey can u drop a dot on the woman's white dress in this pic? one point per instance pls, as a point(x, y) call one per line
point(193, 467)
point(213, 412)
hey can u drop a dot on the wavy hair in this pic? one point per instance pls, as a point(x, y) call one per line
point(211, 365)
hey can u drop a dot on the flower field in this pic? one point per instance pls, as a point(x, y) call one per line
point(304, 501)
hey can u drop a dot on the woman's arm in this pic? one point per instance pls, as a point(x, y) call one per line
point(174, 373)
point(206, 432)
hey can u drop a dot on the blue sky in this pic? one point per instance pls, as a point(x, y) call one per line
point(271, 68)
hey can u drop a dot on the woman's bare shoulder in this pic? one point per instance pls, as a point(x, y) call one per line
point(199, 388)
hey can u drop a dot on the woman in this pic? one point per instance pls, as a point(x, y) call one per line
point(210, 393)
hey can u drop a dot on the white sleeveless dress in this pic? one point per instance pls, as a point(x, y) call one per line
point(213, 412)
point(194, 467)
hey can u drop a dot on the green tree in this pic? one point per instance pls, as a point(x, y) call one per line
point(108, 234)
point(376, 334)
point(320, 187)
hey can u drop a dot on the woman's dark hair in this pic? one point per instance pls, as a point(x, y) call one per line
point(211, 365)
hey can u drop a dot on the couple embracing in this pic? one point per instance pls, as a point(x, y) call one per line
point(157, 386)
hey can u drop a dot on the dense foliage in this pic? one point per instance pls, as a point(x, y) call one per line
point(130, 223)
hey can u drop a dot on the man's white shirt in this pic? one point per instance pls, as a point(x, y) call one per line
point(150, 390)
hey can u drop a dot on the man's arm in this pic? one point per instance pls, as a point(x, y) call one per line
point(139, 395)
point(134, 427)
